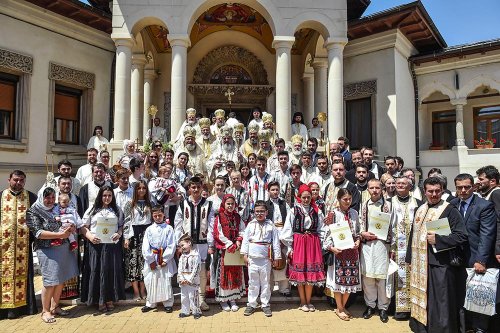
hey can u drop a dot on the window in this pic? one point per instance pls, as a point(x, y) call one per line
point(8, 97)
point(487, 123)
point(444, 128)
point(359, 122)
point(67, 104)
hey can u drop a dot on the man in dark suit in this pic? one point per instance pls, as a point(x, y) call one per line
point(481, 224)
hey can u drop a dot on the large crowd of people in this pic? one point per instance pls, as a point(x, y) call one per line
point(240, 211)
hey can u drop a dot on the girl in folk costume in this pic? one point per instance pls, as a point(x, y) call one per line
point(158, 249)
point(137, 219)
point(241, 196)
point(315, 189)
point(246, 174)
point(228, 234)
point(301, 234)
point(343, 275)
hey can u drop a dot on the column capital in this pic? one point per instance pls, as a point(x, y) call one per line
point(179, 40)
point(458, 101)
point(126, 42)
point(320, 62)
point(335, 43)
point(308, 76)
point(150, 74)
point(139, 59)
point(285, 42)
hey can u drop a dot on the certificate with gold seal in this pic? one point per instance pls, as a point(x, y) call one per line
point(341, 235)
point(105, 228)
point(379, 223)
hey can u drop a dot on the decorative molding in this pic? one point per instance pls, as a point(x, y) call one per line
point(239, 90)
point(230, 54)
point(72, 76)
point(16, 61)
point(360, 89)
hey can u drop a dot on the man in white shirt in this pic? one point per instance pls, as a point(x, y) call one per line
point(84, 173)
point(315, 130)
point(156, 132)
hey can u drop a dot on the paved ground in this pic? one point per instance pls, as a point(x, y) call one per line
point(127, 317)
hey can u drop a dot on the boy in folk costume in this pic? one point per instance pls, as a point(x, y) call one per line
point(374, 255)
point(261, 250)
point(195, 217)
point(277, 211)
point(259, 182)
point(188, 276)
point(158, 249)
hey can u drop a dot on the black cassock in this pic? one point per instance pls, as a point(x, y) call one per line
point(445, 283)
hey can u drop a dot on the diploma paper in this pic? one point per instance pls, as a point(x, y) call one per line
point(233, 259)
point(378, 224)
point(341, 235)
point(440, 227)
point(105, 228)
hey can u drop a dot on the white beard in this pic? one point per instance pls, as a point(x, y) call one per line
point(297, 152)
point(254, 141)
point(190, 122)
point(227, 147)
point(206, 136)
point(190, 147)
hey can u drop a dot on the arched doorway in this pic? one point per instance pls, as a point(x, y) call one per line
point(235, 69)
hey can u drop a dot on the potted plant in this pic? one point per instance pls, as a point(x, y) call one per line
point(490, 143)
point(479, 143)
point(435, 145)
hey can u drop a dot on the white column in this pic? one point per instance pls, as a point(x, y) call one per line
point(459, 119)
point(122, 89)
point(320, 66)
point(309, 101)
point(335, 49)
point(149, 78)
point(179, 44)
point(137, 96)
point(283, 46)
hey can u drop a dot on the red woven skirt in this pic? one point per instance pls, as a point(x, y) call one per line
point(307, 261)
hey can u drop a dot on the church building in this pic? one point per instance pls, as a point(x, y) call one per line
point(386, 80)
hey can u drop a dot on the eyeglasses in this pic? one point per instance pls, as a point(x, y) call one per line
point(260, 212)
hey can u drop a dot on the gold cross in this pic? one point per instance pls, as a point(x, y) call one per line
point(229, 93)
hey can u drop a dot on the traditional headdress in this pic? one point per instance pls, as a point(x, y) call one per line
point(253, 128)
point(267, 118)
point(297, 139)
point(226, 131)
point(191, 112)
point(204, 123)
point(239, 127)
point(265, 135)
point(219, 113)
point(189, 131)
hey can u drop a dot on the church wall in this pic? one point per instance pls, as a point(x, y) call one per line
point(46, 46)
point(378, 65)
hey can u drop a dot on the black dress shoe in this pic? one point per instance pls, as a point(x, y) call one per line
point(384, 317)
point(183, 315)
point(197, 316)
point(146, 309)
point(288, 294)
point(168, 309)
point(402, 316)
point(12, 314)
point(369, 312)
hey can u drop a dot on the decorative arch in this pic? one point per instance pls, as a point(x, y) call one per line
point(478, 81)
point(265, 7)
point(143, 22)
point(230, 55)
point(429, 89)
point(313, 20)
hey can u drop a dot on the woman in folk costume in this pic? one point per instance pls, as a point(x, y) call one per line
point(343, 275)
point(137, 219)
point(301, 234)
point(228, 231)
point(315, 189)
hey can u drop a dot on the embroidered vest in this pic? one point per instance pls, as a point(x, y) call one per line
point(298, 221)
point(195, 221)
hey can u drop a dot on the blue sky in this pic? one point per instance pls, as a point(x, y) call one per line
point(459, 21)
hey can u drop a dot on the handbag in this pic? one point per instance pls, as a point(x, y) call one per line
point(481, 290)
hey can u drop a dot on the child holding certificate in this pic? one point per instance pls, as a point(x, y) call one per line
point(375, 232)
point(228, 233)
point(102, 276)
point(158, 250)
point(343, 276)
